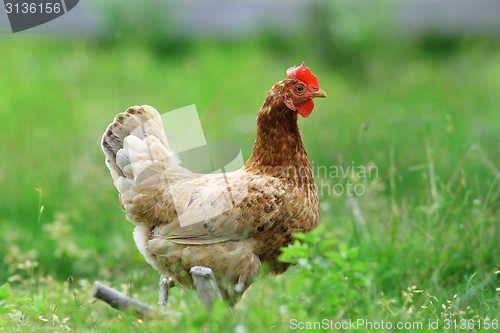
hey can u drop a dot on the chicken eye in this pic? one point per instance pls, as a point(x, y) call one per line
point(299, 88)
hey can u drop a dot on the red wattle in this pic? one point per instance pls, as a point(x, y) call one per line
point(305, 108)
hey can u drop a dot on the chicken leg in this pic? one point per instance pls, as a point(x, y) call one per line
point(165, 284)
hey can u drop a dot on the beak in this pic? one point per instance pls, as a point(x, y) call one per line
point(319, 93)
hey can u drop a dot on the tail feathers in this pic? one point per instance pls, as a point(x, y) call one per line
point(137, 153)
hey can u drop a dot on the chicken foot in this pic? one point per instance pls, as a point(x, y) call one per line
point(165, 284)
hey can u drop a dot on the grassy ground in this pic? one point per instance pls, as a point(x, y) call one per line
point(421, 244)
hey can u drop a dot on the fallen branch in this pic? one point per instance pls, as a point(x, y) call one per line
point(205, 285)
point(203, 281)
point(120, 301)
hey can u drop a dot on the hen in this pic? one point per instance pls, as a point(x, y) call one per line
point(228, 222)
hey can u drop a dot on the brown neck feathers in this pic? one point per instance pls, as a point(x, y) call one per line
point(278, 149)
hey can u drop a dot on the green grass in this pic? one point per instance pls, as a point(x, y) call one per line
point(425, 234)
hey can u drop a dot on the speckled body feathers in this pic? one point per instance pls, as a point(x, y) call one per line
point(250, 213)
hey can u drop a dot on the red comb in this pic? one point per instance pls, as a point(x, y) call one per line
point(303, 73)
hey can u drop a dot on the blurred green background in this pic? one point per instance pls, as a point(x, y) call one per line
point(418, 98)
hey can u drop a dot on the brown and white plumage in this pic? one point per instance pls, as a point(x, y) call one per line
point(230, 223)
